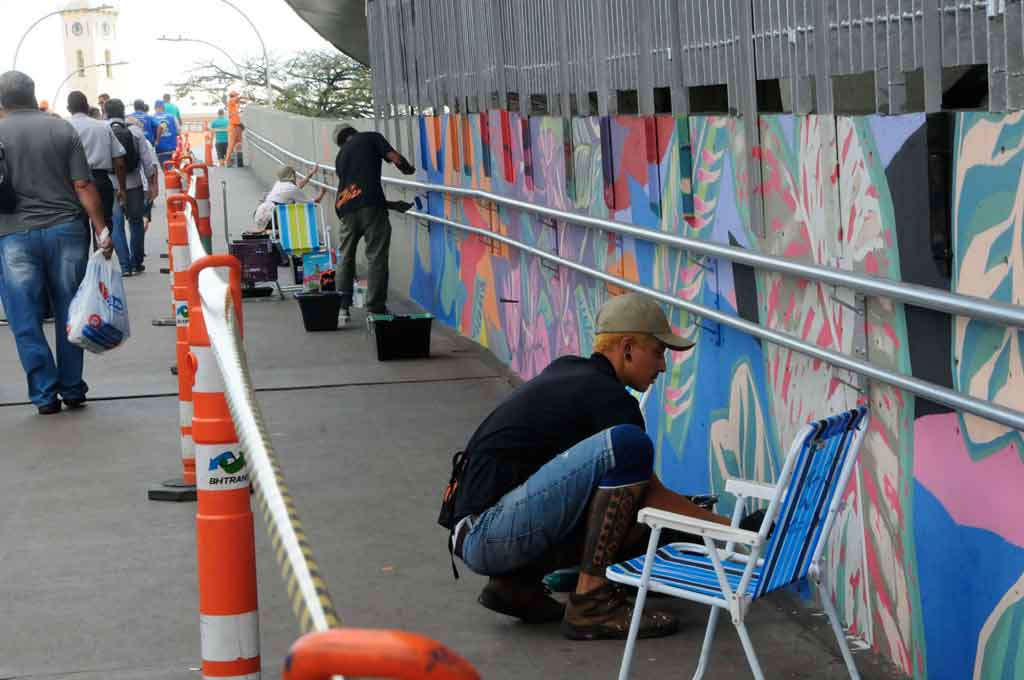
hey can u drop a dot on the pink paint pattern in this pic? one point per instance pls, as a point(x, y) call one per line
point(984, 494)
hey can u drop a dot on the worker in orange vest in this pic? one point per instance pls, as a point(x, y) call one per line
point(235, 126)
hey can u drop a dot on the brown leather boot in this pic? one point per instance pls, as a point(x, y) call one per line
point(605, 614)
point(528, 602)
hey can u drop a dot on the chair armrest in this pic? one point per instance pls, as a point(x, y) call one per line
point(654, 517)
point(743, 487)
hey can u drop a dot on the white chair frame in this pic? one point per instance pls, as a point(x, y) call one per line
point(737, 602)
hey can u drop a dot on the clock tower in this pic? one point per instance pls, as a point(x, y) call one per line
point(90, 37)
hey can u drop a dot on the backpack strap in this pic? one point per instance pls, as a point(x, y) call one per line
point(451, 492)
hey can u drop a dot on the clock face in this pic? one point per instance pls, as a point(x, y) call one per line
point(76, 28)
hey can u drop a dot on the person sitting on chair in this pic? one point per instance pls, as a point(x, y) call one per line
point(287, 189)
point(555, 475)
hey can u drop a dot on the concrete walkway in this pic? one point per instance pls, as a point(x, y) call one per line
point(97, 582)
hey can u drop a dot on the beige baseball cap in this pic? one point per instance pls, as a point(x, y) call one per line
point(635, 313)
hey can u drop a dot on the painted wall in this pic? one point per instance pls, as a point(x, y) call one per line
point(927, 560)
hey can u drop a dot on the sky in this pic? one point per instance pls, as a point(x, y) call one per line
point(153, 64)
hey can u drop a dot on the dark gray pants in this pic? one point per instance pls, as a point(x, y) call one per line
point(370, 223)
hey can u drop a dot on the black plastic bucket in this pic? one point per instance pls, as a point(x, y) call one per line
point(401, 336)
point(319, 310)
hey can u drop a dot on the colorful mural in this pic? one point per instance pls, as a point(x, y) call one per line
point(927, 560)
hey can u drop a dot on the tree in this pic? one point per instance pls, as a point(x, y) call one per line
point(317, 83)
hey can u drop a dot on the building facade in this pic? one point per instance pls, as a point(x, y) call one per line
point(90, 37)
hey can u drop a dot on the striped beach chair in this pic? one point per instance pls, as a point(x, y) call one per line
point(801, 506)
point(297, 228)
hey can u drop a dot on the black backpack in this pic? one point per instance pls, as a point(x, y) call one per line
point(131, 149)
point(8, 199)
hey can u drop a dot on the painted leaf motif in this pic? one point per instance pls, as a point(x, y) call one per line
point(740, 445)
point(989, 227)
point(999, 654)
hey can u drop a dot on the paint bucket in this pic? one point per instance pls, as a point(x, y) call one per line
point(400, 336)
point(319, 310)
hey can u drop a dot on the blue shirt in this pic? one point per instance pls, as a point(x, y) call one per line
point(167, 132)
point(148, 125)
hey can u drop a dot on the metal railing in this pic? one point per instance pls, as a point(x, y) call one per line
point(920, 296)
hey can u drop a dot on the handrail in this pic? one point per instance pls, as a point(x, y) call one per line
point(909, 293)
point(944, 395)
point(923, 388)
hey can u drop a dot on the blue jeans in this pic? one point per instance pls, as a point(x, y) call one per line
point(36, 264)
point(540, 513)
point(129, 247)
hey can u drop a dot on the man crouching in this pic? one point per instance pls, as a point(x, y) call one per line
point(555, 475)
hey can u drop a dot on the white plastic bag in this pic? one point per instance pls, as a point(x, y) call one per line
point(98, 314)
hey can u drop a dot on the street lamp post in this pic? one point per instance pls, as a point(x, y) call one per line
point(220, 49)
point(14, 64)
point(266, 60)
point(70, 75)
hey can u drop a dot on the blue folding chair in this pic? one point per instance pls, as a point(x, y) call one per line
point(802, 507)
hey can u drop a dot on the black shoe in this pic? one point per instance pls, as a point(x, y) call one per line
point(74, 404)
point(125, 275)
point(140, 268)
point(49, 409)
point(528, 602)
point(174, 370)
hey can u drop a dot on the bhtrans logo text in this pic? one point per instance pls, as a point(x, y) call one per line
point(181, 314)
point(233, 467)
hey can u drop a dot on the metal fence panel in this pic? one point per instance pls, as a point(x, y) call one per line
point(464, 51)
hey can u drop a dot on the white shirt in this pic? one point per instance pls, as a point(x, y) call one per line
point(287, 192)
point(101, 146)
point(280, 193)
point(148, 163)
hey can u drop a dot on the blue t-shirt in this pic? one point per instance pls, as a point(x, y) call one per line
point(148, 124)
point(166, 132)
point(220, 129)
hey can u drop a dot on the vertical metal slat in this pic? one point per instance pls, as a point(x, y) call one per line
point(931, 32)
point(677, 80)
point(996, 48)
point(1014, 55)
point(645, 57)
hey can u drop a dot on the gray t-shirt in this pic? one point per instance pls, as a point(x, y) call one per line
point(44, 157)
point(98, 140)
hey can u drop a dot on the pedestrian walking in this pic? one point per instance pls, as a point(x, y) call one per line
point(235, 126)
point(147, 121)
point(219, 126)
point(44, 242)
point(363, 211)
point(172, 108)
point(140, 168)
point(166, 132)
point(104, 153)
point(150, 190)
point(101, 104)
